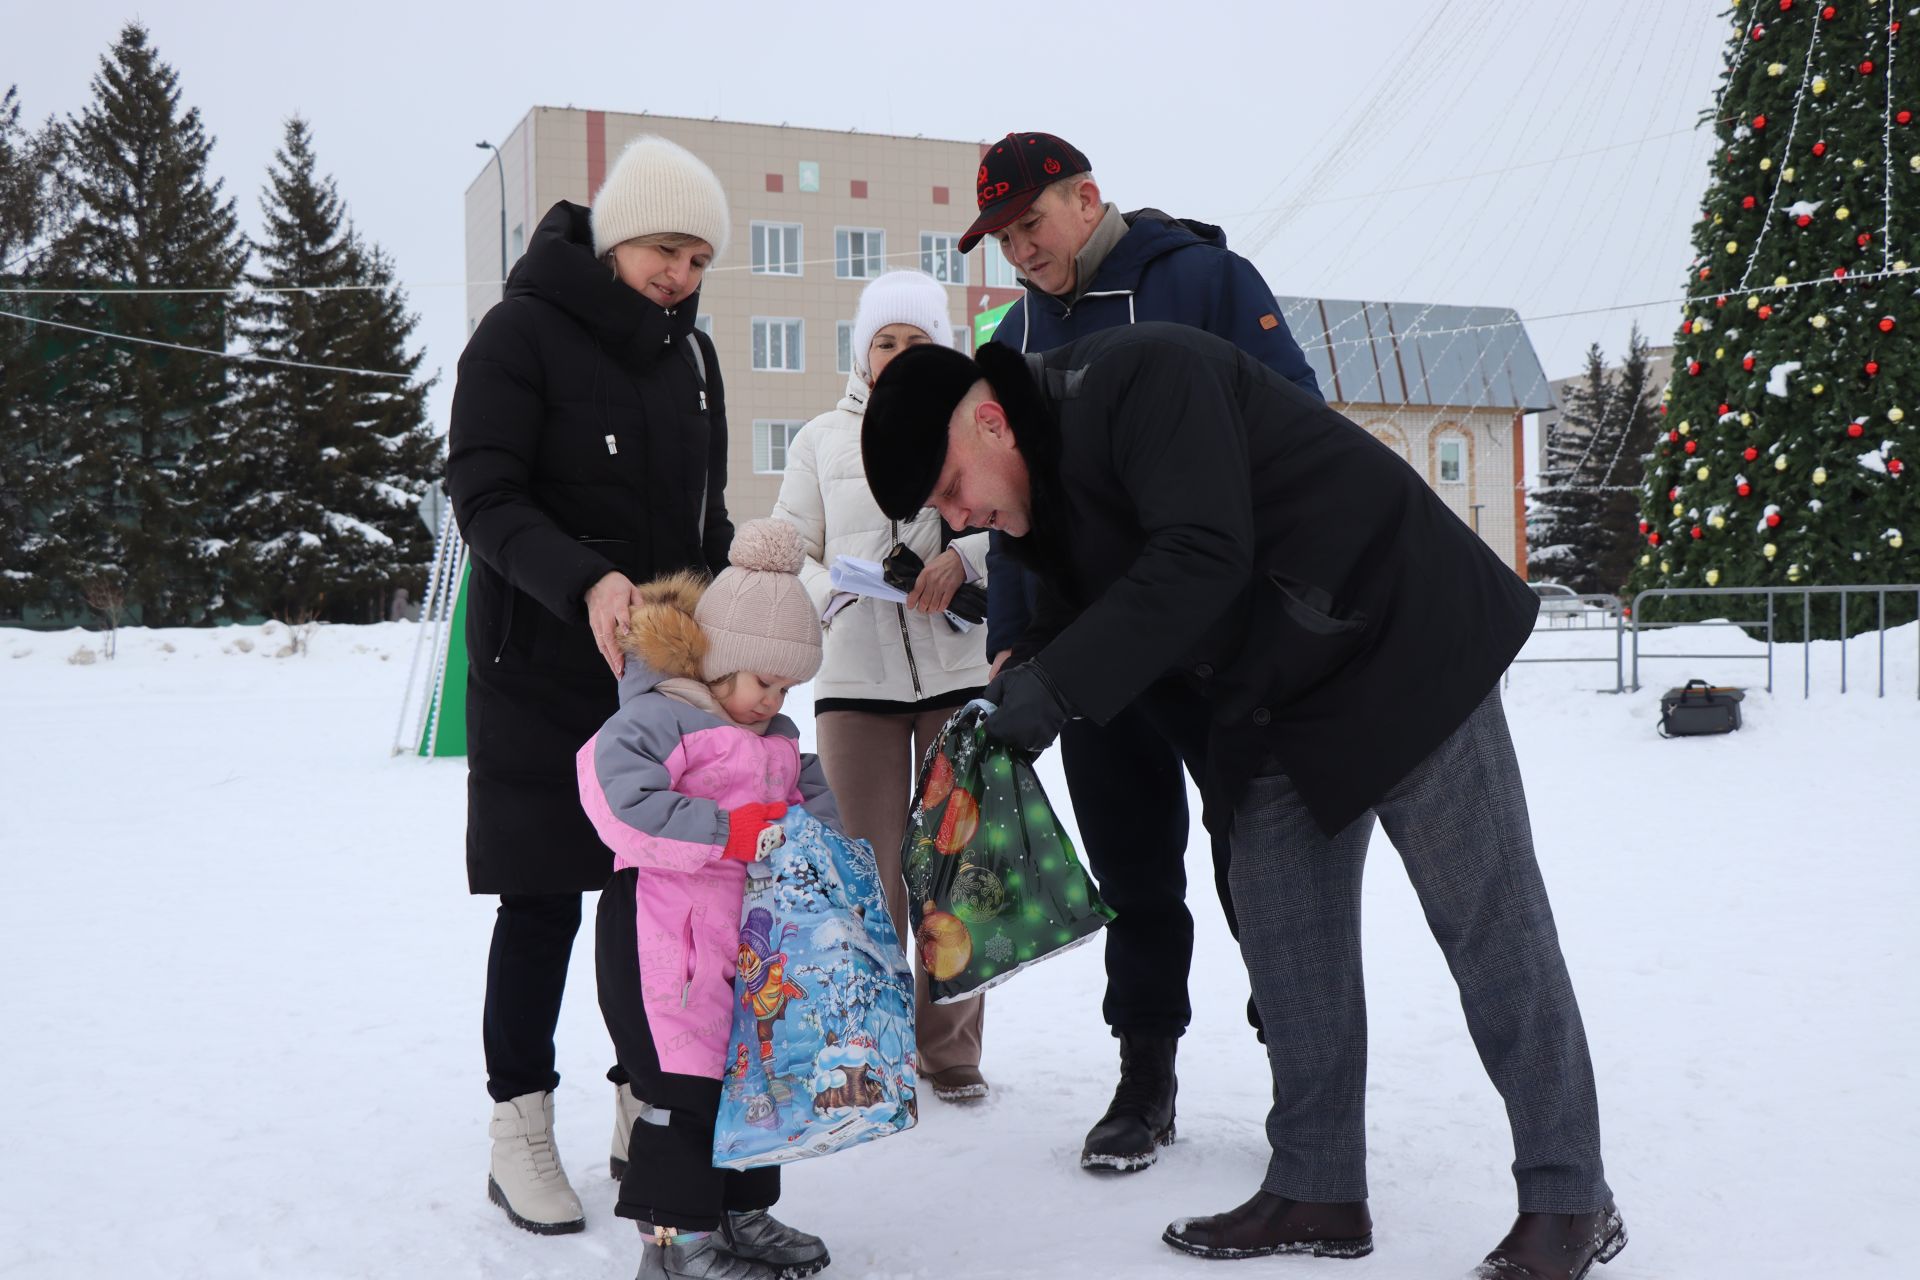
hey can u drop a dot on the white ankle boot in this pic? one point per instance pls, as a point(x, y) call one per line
point(526, 1179)
point(626, 1110)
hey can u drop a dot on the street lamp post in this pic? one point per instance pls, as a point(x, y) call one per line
point(500, 168)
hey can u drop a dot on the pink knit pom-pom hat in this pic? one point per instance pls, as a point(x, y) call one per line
point(757, 616)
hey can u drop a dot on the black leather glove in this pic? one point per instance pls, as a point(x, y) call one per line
point(1029, 710)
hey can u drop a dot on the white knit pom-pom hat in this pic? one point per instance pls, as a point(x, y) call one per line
point(757, 616)
point(900, 297)
point(659, 186)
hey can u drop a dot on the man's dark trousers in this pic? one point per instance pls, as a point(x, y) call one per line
point(1128, 784)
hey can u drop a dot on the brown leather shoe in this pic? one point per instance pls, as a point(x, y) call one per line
point(1270, 1224)
point(1555, 1246)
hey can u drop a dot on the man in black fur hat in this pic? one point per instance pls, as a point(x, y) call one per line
point(1199, 518)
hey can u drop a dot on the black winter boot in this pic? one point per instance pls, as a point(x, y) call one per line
point(1139, 1120)
point(1555, 1246)
point(1270, 1224)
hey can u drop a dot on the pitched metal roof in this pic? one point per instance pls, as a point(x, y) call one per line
point(1418, 353)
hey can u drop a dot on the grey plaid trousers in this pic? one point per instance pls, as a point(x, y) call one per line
point(1459, 822)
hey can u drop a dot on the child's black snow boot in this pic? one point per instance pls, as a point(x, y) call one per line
point(1139, 1121)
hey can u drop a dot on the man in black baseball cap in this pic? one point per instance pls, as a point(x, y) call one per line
point(1204, 526)
point(1086, 267)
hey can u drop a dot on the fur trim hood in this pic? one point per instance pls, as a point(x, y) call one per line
point(661, 630)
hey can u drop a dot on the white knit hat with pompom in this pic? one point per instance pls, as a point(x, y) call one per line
point(757, 616)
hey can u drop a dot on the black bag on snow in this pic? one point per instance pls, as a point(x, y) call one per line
point(1699, 708)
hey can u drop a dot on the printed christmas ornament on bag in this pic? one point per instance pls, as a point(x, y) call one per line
point(994, 882)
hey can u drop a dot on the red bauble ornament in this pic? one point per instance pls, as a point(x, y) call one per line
point(1760, 122)
point(1903, 117)
point(1723, 411)
point(1866, 67)
point(1690, 445)
point(1643, 526)
point(1863, 239)
point(1758, 31)
point(1697, 532)
point(1693, 367)
point(1751, 453)
point(1886, 324)
point(1663, 411)
point(1839, 273)
point(1673, 437)
point(1855, 430)
point(1747, 202)
point(1764, 312)
point(1720, 301)
point(1686, 326)
point(1653, 539)
point(1803, 221)
point(1873, 367)
point(1785, 5)
point(1747, 364)
point(1705, 272)
point(1895, 466)
point(1827, 13)
point(1819, 148)
point(1745, 489)
point(1773, 519)
point(1673, 494)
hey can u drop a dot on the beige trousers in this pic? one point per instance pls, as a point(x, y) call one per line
point(871, 761)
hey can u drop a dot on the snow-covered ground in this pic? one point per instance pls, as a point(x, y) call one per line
point(240, 984)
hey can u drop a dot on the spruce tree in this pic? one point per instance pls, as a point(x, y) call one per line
point(136, 421)
point(30, 206)
point(1559, 519)
point(1788, 432)
point(325, 470)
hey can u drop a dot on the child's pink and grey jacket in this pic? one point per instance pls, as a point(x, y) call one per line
point(657, 781)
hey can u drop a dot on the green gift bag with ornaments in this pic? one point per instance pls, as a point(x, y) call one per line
point(994, 881)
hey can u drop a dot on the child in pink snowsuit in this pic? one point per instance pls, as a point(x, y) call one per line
point(683, 783)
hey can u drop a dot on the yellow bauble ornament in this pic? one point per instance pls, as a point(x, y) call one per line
point(1666, 393)
point(1779, 282)
point(1843, 213)
point(1716, 219)
point(1913, 162)
point(1753, 303)
point(1665, 567)
point(1733, 246)
point(1780, 463)
point(1679, 508)
point(1719, 353)
point(1900, 265)
point(1819, 475)
point(1793, 573)
point(1769, 551)
point(1819, 82)
point(1746, 419)
point(1713, 577)
point(1896, 414)
point(1896, 541)
point(1702, 474)
point(1859, 164)
point(1776, 68)
point(1818, 322)
point(1684, 428)
point(1786, 174)
point(1819, 388)
point(1766, 164)
point(1646, 560)
point(1718, 522)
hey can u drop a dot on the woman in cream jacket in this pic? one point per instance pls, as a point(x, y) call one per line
point(891, 674)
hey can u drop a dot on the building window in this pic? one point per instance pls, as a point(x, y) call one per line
point(518, 244)
point(963, 339)
point(704, 324)
point(1000, 273)
point(1453, 464)
point(940, 257)
point(859, 253)
point(772, 437)
point(778, 345)
point(776, 248)
point(843, 346)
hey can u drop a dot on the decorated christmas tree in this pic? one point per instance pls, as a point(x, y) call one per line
point(1787, 434)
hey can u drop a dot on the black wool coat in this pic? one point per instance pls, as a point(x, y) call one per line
point(585, 438)
point(1203, 518)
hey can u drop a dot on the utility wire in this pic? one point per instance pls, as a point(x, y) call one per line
point(247, 357)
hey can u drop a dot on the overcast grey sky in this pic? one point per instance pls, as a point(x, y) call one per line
point(1346, 147)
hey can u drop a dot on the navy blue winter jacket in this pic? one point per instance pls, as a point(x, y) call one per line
point(1164, 268)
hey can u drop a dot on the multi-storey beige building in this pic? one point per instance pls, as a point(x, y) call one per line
point(1446, 387)
point(816, 214)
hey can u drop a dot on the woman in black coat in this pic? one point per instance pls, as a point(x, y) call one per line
point(588, 454)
